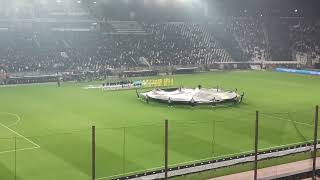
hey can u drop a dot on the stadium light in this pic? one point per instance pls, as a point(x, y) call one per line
point(161, 2)
point(182, 1)
point(126, 1)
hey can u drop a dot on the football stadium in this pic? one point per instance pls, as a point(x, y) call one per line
point(159, 89)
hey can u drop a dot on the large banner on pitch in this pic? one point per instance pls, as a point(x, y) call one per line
point(298, 71)
point(157, 82)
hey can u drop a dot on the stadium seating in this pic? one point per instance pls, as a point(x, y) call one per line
point(162, 44)
point(80, 46)
point(278, 34)
point(305, 39)
point(127, 27)
point(249, 33)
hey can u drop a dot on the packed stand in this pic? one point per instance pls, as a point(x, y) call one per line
point(164, 44)
point(249, 34)
point(305, 38)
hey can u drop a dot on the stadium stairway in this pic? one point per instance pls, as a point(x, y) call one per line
point(127, 27)
point(209, 41)
point(278, 33)
point(227, 41)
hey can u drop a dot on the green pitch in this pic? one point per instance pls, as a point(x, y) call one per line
point(52, 126)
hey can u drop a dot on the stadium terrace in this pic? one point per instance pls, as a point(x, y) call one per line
point(159, 89)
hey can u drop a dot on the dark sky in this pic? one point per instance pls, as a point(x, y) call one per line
point(305, 7)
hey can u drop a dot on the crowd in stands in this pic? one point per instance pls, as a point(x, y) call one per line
point(163, 44)
point(180, 44)
point(305, 38)
point(249, 34)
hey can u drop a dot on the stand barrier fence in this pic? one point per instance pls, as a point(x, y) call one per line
point(133, 152)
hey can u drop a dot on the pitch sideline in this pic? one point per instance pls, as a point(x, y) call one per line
point(36, 146)
point(280, 118)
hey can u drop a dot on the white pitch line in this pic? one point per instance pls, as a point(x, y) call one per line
point(15, 115)
point(35, 144)
point(285, 119)
point(7, 127)
point(22, 149)
point(216, 157)
point(23, 85)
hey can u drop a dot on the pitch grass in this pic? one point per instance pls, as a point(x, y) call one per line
point(130, 132)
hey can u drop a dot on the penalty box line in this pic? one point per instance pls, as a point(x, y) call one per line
point(18, 118)
point(36, 146)
point(22, 149)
